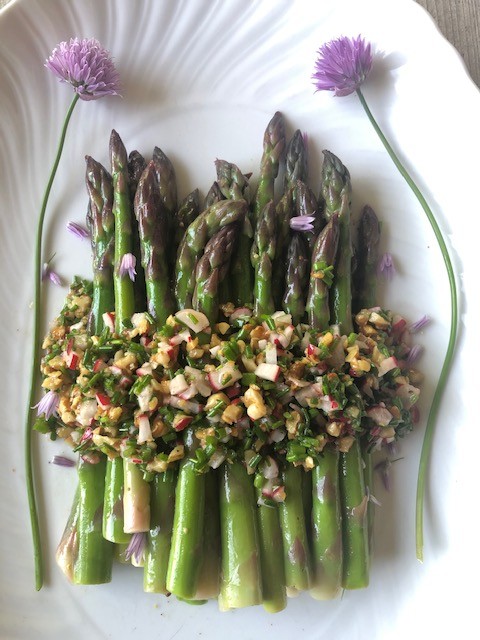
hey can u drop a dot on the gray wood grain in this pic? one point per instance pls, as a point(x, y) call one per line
point(459, 21)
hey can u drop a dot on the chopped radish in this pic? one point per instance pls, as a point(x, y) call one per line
point(86, 412)
point(269, 468)
point(281, 318)
point(145, 341)
point(185, 405)
point(380, 415)
point(189, 393)
point(103, 400)
point(216, 459)
point(72, 359)
point(214, 350)
point(268, 371)
point(144, 430)
point(117, 371)
point(181, 421)
point(241, 312)
point(200, 381)
point(271, 354)
point(194, 320)
point(234, 391)
point(224, 376)
point(262, 344)
point(178, 384)
point(183, 336)
point(98, 365)
point(109, 320)
point(387, 365)
point(144, 370)
point(312, 350)
point(144, 398)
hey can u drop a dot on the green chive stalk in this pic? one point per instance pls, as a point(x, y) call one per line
point(37, 278)
point(452, 338)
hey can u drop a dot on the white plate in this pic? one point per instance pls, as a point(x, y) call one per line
point(201, 78)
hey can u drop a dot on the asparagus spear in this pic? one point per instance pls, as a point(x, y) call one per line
point(262, 255)
point(296, 551)
point(136, 166)
point(241, 572)
point(336, 191)
point(271, 553)
point(367, 251)
point(208, 585)
point(93, 564)
point(321, 276)
point(100, 223)
point(152, 226)
point(186, 548)
point(167, 183)
point(364, 296)
point(273, 148)
point(296, 160)
point(234, 185)
point(159, 537)
point(214, 195)
point(296, 278)
point(187, 211)
point(326, 529)
point(211, 271)
point(284, 212)
point(198, 233)
point(122, 211)
point(354, 517)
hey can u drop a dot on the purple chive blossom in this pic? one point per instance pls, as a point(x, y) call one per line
point(50, 274)
point(342, 65)
point(48, 404)
point(302, 223)
point(419, 324)
point(86, 66)
point(77, 230)
point(136, 547)
point(386, 267)
point(414, 354)
point(127, 266)
point(62, 461)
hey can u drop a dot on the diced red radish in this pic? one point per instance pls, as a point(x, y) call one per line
point(72, 359)
point(109, 320)
point(241, 312)
point(200, 381)
point(399, 323)
point(271, 354)
point(328, 404)
point(117, 371)
point(380, 415)
point(305, 341)
point(185, 405)
point(125, 382)
point(181, 421)
point(223, 377)
point(267, 489)
point(408, 393)
point(182, 336)
point(216, 459)
point(103, 400)
point(277, 435)
point(262, 344)
point(278, 494)
point(189, 393)
point(144, 398)
point(144, 430)
point(214, 350)
point(312, 350)
point(269, 468)
point(145, 341)
point(281, 318)
point(194, 320)
point(86, 412)
point(98, 365)
point(178, 384)
point(387, 365)
point(304, 394)
point(268, 371)
point(144, 370)
point(87, 435)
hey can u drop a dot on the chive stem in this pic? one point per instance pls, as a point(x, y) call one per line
point(29, 475)
point(450, 352)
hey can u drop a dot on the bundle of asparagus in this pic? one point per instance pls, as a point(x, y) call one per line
point(223, 399)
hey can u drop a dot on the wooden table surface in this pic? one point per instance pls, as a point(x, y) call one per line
point(459, 21)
